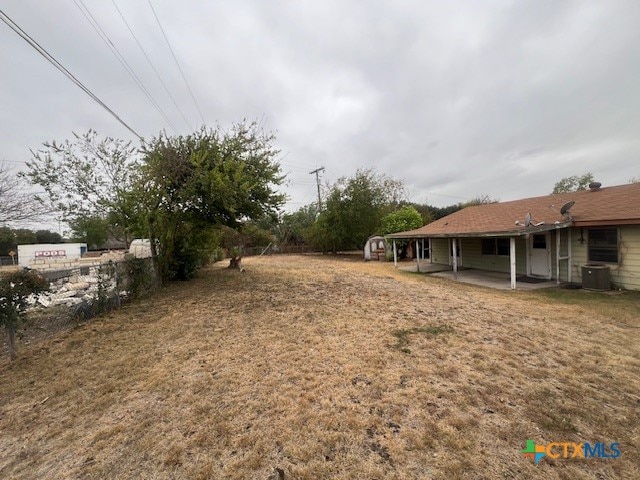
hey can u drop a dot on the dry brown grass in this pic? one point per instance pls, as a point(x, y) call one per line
point(294, 365)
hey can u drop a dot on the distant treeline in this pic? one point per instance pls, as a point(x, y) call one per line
point(11, 238)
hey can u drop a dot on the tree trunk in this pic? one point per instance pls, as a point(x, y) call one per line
point(155, 265)
point(234, 262)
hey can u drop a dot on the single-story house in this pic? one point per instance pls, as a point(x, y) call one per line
point(549, 237)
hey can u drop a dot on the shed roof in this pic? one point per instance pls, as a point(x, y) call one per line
point(617, 205)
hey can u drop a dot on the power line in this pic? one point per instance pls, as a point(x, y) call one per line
point(25, 36)
point(12, 161)
point(438, 194)
point(177, 63)
point(295, 165)
point(152, 65)
point(105, 38)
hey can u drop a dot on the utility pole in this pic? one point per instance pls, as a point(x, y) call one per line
point(316, 171)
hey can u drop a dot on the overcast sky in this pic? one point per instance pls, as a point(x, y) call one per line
point(457, 98)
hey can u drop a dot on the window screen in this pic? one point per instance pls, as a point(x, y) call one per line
point(603, 245)
point(496, 246)
point(503, 246)
point(488, 246)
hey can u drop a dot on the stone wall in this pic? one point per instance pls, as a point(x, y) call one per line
point(73, 286)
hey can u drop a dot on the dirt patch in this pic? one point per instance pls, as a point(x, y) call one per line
point(292, 370)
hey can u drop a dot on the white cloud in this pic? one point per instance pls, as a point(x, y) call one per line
point(458, 98)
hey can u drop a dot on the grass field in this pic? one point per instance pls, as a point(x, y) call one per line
point(314, 368)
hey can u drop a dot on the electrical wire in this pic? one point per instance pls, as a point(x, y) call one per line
point(105, 38)
point(177, 63)
point(25, 36)
point(166, 89)
point(12, 161)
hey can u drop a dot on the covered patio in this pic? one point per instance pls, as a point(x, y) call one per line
point(484, 278)
point(539, 239)
point(498, 280)
point(521, 258)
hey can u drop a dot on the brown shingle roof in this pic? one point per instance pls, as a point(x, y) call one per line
point(619, 205)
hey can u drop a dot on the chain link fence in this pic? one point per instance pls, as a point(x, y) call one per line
point(79, 293)
point(7, 261)
point(277, 250)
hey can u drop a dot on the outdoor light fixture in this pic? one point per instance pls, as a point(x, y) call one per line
point(581, 239)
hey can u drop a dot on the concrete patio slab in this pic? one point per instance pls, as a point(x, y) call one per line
point(498, 280)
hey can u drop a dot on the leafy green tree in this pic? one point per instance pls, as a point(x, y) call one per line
point(47, 236)
point(195, 183)
point(574, 183)
point(440, 212)
point(425, 211)
point(11, 238)
point(430, 213)
point(354, 209)
point(255, 236)
point(7, 240)
point(93, 230)
point(328, 232)
point(406, 218)
point(294, 228)
point(15, 289)
point(481, 199)
point(176, 193)
point(88, 177)
point(25, 236)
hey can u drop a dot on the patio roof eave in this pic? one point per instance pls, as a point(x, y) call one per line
point(507, 233)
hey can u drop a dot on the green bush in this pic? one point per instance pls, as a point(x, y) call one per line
point(139, 276)
point(217, 255)
point(15, 290)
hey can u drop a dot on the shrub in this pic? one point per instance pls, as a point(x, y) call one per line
point(15, 290)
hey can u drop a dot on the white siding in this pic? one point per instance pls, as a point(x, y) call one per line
point(440, 250)
point(472, 257)
point(624, 274)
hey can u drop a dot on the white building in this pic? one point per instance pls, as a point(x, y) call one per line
point(50, 251)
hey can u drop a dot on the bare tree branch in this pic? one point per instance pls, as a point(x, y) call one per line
point(17, 205)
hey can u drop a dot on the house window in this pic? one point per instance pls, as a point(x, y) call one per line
point(496, 246)
point(488, 246)
point(502, 246)
point(540, 241)
point(603, 245)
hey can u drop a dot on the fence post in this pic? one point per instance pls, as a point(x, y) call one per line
point(116, 275)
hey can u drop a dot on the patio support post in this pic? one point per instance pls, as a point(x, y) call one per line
point(455, 258)
point(395, 254)
point(569, 254)
point(512, 258)
point(430, 253)
point(417, 257)
point(558, 257)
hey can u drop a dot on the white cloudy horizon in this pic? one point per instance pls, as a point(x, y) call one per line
point(458, 99)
